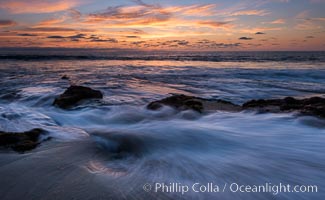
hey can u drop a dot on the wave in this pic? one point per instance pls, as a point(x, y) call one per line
point(125, 146)
point(110, 148)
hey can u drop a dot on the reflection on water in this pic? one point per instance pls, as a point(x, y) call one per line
point(142, 81)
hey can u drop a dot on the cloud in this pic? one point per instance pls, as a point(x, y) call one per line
point(132, 36)
point(111, 40)
point(130, 15)
point(306, 22)
point(144, 14)
point(215, 24)
point(245, 38)
point(69, 16)
point(183, 42)
point(250, 12)
point(140, 2)
point(83, 37)
point(254, 45)
point(49, 22)
point(163, 44)
point(172, 43)
point(56, 37)
point(310, 37)
point(138, 31)
point(37, 6)
point(178, 42)
point(78, 36)
point(302, 15)
point(26, 35)
point(72, 37)
point(193, 10)
point(169, 21)
point(75, 14)
point(212, 44)
point(138, 43)
point(54, 29)
point(254, 30)
point(93, 37)
point(278, 21)
point(318, 18)
point(7, 23)
point(146, 23)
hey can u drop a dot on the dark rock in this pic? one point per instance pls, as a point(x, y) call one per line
point(262, 103)
point(21, 142)
point(311, 106)
point(65, 77)
point(290, 100)
point(184, 102)
point(181, 101)
point(25, 146)
point(75, 94)
point(194, 104)
point(314, 100)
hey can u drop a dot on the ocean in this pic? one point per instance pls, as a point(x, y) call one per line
point(165, 146)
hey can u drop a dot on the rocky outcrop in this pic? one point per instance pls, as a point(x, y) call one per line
point(74, 94)
point(65, 77)
point(310, 106)
point(22, 141)
point(183, 102)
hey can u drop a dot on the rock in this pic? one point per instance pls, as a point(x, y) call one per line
point(314, 106)
point(65, 77)
point(21, 142)
point(311, 106)
point(184, 102)
point(75, 94)
point(222, 105)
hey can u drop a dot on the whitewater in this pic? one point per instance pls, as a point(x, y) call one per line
point(111, 148)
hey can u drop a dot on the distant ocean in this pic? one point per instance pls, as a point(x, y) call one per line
point(167, 146)
point(113, 54)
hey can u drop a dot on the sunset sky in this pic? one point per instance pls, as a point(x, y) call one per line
point(164, 25)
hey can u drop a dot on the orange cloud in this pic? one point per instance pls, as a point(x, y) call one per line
point(250, 12)
point(70, 15)
point(132, 13)
point(150, 26)
point(49, 22)
point(147, 14)
point(54, 29)
point(278, 21)
point(193, 10)
point(215, 24)
point(154, 17)
point(258, 29)
point(37, 6)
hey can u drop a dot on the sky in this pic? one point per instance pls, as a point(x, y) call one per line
point(205, 25)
